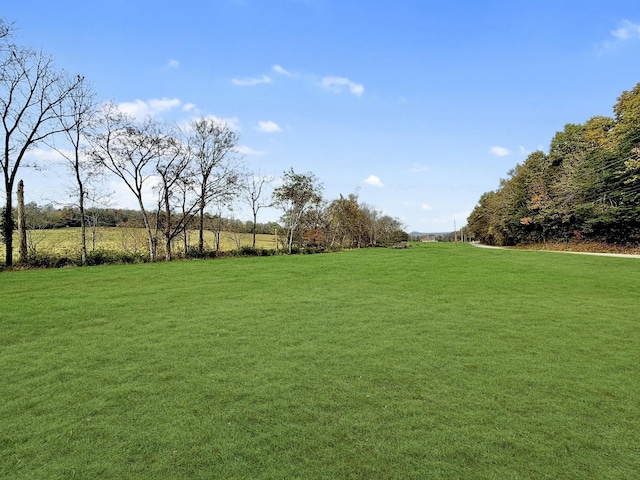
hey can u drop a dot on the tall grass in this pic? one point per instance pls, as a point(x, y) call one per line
point(65, 242)
point(440, 361)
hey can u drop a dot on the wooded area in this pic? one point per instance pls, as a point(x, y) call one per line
point(587, 188)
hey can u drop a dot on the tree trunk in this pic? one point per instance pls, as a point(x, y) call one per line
point(201, 227)
point(167, 231)
point(7, 224)
point(152, 243)
point(255, 221)
point(167, 246)
point(185, 238)
point(81, 194)
point(290, 239)
point(218, 231)
point(201, 231)
point(22, 226)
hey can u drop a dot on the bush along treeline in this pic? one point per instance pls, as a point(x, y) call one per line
point(181, 177)
point(587, 188)
point(315, 227)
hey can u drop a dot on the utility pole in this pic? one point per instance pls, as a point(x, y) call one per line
point(455, 231)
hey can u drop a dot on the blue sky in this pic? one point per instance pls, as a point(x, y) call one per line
point(418, 106)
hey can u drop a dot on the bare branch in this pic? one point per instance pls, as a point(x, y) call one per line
point(32, 90)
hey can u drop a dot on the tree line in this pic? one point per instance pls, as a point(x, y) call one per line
point(182, 177)
point(49, 216)
point(586, 188)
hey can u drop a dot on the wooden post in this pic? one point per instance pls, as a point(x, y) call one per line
point(22, 225)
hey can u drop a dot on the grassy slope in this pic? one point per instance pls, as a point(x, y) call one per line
point(441, 361)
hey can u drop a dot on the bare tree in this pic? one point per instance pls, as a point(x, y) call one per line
point(96, 202)
point(236, 238)
point(183, 197)
point(254, 196)
point(130, 150)
point(80, 113)
point(218, 222)
point(31, 92)
point(213, 144)
point(175, 173)
point(6, 31)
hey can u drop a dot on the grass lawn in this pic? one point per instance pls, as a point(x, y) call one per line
point(439, 361)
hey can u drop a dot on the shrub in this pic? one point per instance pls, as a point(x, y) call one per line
point(46, 260)
point(107, 257)
point(247, 251)
point(313, 249)
point(194, 253)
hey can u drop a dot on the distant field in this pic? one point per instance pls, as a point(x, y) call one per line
point(67, 240)
point(439, 361)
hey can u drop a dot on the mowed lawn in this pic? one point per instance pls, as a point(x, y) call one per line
point(439, 361)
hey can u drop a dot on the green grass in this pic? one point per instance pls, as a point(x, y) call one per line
point(440, 361)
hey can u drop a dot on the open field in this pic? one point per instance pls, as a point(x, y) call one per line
point(439, 361)
point(67, 240)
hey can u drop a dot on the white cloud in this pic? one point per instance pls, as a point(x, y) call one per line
point(269, 127)
point(173, 64)
point(188, 107)
point(251, 82)
point(461, 217)
point(141, 108)
point(373, 181)
point(47, 157)
point(233, 122)
point(337, 84)
point(282, 71)
point(523, 151)
point(426, 206)
point(244, 150)
point(500, 151)
point(124, 198)
point(419, 168)
point(39, 155)
point(627, 31)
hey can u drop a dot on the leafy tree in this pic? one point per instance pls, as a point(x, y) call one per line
point(481, 220)
point(586, 187)
point(297, 194)
point(627, 120)
point(347, 221)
